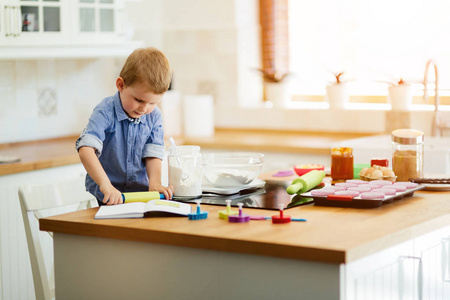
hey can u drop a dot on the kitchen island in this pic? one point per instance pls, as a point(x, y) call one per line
point(333, 255)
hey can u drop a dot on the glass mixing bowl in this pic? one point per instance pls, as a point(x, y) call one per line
point(231, 169)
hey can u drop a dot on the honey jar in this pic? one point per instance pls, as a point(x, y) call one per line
point(407, 153)
point(342, 163)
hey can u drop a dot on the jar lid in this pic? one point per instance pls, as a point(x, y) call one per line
point(407, 136)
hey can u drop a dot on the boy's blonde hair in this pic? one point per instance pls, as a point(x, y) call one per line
point(147, 66)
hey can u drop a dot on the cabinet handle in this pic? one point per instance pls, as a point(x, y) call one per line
point(419, 277)
point(7, 21)
point(445, 259)
point(17, 21)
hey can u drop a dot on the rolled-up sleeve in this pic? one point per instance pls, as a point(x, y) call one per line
point(152, 150)
point(89, 141)
point(94, 133)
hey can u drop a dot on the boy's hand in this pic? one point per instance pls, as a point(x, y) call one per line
point(112, 195)
point(166, 190)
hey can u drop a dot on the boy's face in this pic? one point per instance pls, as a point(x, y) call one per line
point(136, 99)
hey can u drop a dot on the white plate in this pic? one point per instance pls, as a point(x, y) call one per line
point(257, 183)
point(436, 187)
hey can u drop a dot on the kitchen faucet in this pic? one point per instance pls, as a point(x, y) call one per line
point(437, 125)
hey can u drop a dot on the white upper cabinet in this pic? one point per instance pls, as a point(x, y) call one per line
point(96, 21)
point(59, 25)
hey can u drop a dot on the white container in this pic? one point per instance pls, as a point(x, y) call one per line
point(185, 171)
point(171, 111)
point(198, 116)
point(338, 95)
point(278, 93)
point(400, 96)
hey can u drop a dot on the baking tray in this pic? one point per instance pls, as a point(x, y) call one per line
point(358, 202)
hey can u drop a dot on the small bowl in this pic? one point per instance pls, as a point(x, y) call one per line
point(303, 169)
point(231, 169)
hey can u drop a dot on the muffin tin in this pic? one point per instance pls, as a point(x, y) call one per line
point(358, 202)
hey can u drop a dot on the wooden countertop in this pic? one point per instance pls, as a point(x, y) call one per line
point(331, 235)
point(40, 154)
point(273, 140)
point(56, 152)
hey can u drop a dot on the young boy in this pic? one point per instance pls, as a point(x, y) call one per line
point(123, 144)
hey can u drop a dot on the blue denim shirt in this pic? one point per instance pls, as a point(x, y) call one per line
point(121, 144)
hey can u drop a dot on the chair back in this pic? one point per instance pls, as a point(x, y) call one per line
point(42, 200)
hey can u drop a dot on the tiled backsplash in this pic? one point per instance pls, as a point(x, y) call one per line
point(51, 98)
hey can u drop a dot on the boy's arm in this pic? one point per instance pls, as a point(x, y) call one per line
point(95, 170)
point(153, 166)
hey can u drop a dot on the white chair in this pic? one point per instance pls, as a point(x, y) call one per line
point(43, 200)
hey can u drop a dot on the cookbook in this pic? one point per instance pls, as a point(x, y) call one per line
point(153, 208)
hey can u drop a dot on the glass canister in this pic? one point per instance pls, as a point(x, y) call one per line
point(185, 171)
point(407, 153)
point(342, 163)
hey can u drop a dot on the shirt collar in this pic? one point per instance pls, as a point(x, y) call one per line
point(120, 112)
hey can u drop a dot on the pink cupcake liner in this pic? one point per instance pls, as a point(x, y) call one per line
point(375, 185)
point(348, 193)
point(382, 182)
point(372, 195)
point(322, 192)
point(335, 188)
point(356, 181)
point(361, 188)
point(346, 184)
point(385, 191)
point(409, 185)
point(398, 187)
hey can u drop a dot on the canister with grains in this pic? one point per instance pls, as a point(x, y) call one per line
point(407, 153)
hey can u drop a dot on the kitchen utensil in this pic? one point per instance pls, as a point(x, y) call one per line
point(306, 182)
point(141, 196)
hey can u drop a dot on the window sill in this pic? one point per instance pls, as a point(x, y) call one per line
point(352, 106)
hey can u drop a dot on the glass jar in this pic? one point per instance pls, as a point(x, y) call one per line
point(407, 153)
point(185, 171)
point(342, 163)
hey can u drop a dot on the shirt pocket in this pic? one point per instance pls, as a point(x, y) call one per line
point(141, 138)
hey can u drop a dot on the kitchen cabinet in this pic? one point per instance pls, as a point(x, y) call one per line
point(416, 269)
point(35, 23)
point(30, 26)
point(338, 253)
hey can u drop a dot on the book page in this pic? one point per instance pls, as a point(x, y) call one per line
point(168, 206)
point(111, 211)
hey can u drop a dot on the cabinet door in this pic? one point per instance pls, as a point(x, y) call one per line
point(96, 22)
point(383, 275)
point(42, 22)
point(434, 252)
point(9, 22)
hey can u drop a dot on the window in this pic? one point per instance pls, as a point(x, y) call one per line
point(369, 40)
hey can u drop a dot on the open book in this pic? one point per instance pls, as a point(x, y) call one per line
point(141, 209)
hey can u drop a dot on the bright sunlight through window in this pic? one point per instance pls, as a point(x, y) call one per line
point(375, 42)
